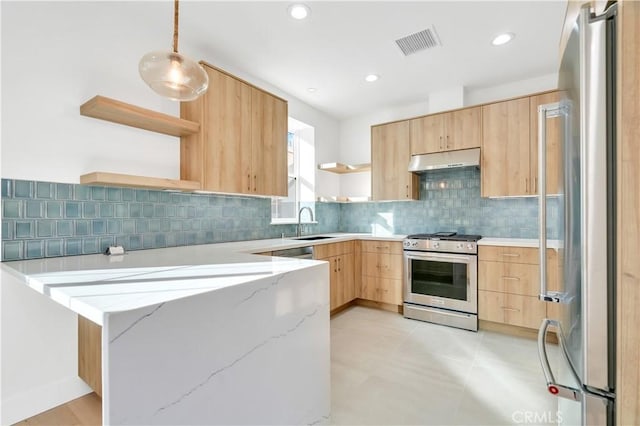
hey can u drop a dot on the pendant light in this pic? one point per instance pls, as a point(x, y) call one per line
point(171, 74)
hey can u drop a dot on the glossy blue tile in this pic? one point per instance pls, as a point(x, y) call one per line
point(142, 195)
point(54, 248)
point(82, 227)
point(12, 250)
point(98, 227)
point(161, 240)
point(90, 245)
point(142, 225)
point(54, 209)
point(34, 209)
point(128, 194)
point(25, 229)
point(34, 249)
point(64, 191)
point(147, 210)
point(22, 189)
point(155, 225)
point(98, 193)
point(121, 210)
point(82, 193)
point(11, 208)
point(106, 210)
point(114, 226)
point(45, 228)
point(6, 188)
point(114, 194)
point(154, 196)
point(135, 210)
point(45, 190)
point(8, 227)
point(89, 210)
point(73, 246)
point(64, 228)
point(135, 242)
point(160, 210)
point(72, 209)
point(129, 226)
point(148, 241)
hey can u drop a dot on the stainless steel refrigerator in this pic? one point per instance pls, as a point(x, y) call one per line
point(583, 215)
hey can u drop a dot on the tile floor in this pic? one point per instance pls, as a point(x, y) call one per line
point(389, 370)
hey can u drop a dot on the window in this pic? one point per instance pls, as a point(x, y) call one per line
point(301, 174)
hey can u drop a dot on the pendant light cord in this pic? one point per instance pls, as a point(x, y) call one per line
point(175, 26)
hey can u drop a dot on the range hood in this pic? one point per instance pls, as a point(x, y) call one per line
point(445, 160)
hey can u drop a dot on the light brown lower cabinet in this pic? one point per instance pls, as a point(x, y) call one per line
point(90, 354)
point(509, 284)
point(341, 257)
point(512, 309)
point(382, 266)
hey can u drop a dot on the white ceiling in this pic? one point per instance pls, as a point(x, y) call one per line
point(341, 42)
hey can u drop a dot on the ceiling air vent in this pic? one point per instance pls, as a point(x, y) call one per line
point(423, 40)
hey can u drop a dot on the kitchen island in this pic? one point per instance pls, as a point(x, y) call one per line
point(200, 334)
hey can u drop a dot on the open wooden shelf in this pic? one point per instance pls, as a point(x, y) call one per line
point(134, 116)
point(117, 179)
point(344, 168)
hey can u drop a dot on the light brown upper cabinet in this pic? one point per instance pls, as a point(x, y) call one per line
point(242, 143)
point(510, 147)
point(390, 155)
point(449, 131)
point(505, 169)
point(553, 139)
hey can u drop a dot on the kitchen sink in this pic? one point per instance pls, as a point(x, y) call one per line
point(313, 238)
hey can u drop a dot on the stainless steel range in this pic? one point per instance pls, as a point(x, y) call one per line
point(441, 279)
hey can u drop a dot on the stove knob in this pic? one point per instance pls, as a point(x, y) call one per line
point(470, 246)
point(436, 245)
point(414, 244)
point(406, 243)
point(459, 246)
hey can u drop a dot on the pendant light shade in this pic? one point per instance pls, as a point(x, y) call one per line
point(171, 74)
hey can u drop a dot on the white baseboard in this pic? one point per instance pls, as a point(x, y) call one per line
point(27, 404)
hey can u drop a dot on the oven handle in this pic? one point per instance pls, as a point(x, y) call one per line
point(439, 256)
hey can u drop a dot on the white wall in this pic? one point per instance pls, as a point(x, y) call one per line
point(57, 55)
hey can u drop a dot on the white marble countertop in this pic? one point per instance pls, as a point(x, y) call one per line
point(93, 285)
point(517, 242)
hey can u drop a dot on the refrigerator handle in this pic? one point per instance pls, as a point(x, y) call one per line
point(544, 112)
point(553, 387)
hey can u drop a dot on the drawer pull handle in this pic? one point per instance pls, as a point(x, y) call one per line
point(506, 308)
point(510, 255)
point(382, 247)
point(511, 278)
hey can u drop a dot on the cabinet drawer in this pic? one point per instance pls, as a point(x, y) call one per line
point(523, 311)
point(509, 254)
point(515, 278)
point(393, 247)
point(378, 289)
point(382, 265)
point(322, 251)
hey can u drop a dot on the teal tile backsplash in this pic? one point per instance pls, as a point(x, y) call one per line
point(43, 219)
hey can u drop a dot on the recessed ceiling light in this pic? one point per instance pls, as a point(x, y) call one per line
point(299, 11)
point(311, 89)
point(371, 78)
point(501, 39)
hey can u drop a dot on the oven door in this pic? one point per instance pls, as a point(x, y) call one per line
point(442, 280)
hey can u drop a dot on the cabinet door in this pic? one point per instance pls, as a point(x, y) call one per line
point(269, 144)
point(226, 153)
point(347, 291)
point(390, 154)
point(505, 149)
point(554, 148)
point(463, 129)
point(515, 278)
point(427, 134)
point(334, 279)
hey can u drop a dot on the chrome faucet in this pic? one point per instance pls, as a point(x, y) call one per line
point(300, 217)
